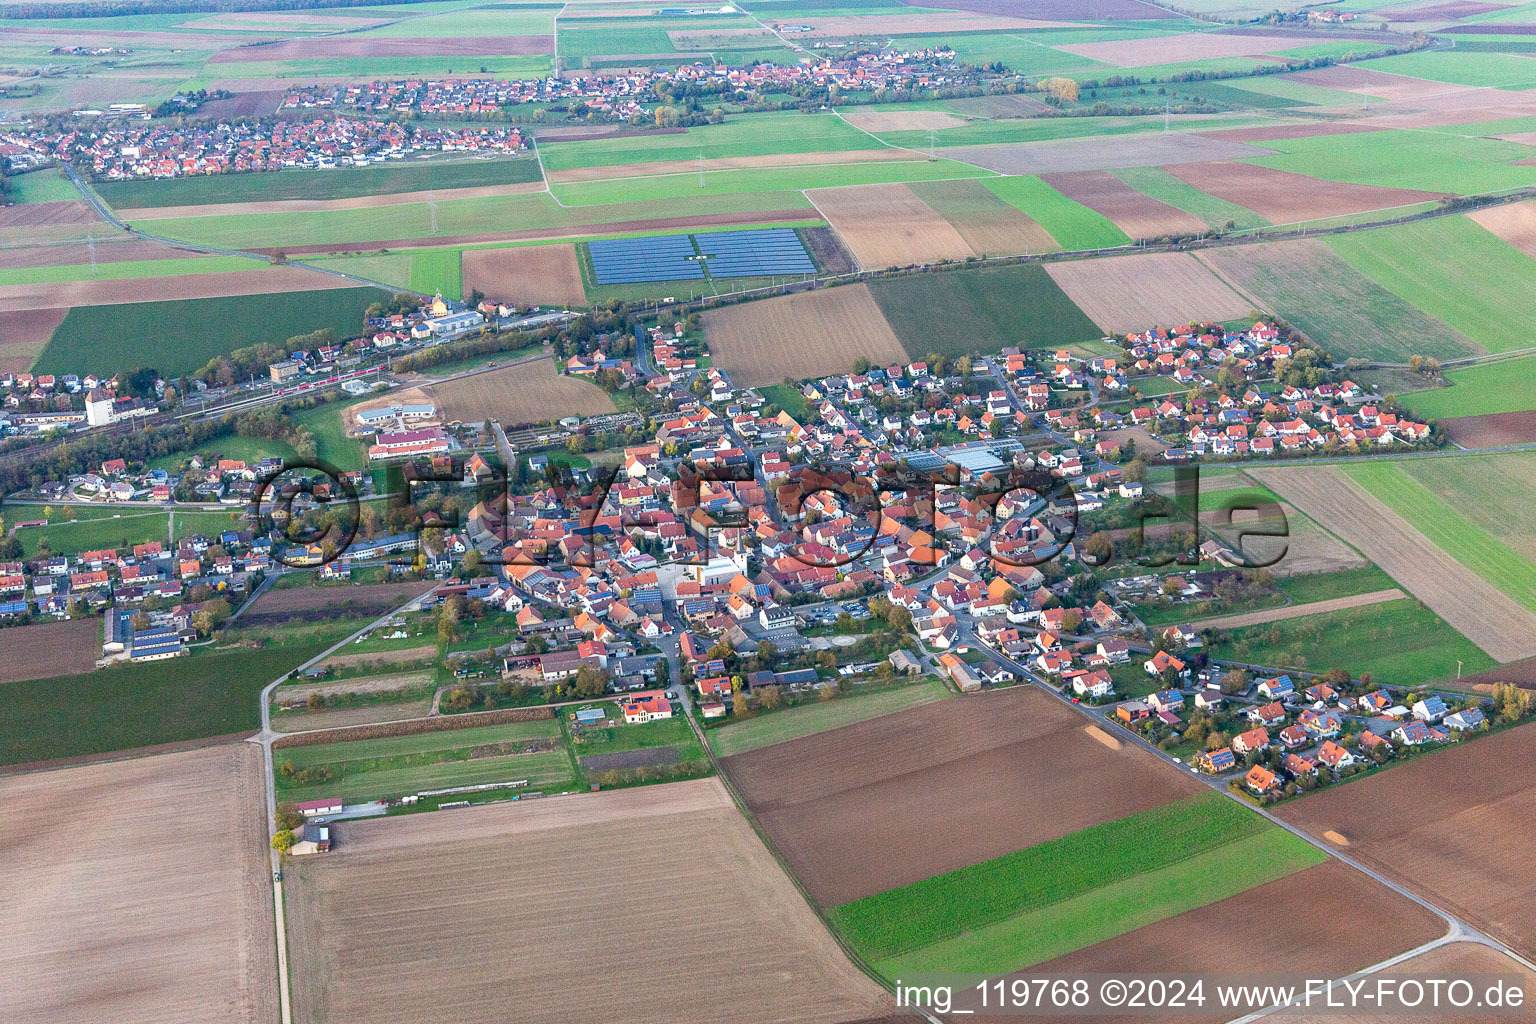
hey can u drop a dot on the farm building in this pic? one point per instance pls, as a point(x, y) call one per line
point(312, 839)
point(314, 808)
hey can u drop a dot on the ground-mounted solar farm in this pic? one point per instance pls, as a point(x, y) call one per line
point(724, 254)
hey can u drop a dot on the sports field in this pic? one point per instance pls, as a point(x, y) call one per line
point(175, 337)
point(981, 310)
point(1479, 390)
point(806, 719)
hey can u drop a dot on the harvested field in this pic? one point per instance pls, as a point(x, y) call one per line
point(33, 215)
point(1453, 9)
point(883, 25)
point(645, 757)
point(110, 922)
point(48, 649)
point(902, 120)
point(1377, 84)
point(1102, 153)
point(1521, 673)
point(1137, 53)
point(322, 205)
point(827, 250)
point(24, 335)
point(889, 226)
point(108, 292)
point(1452, 960)
point(1470, 604)
point(525, 393)
point(1306, 130)
point(1298, 610)
point(1010, 105)
point(1451, 825)
point(345, 718)
point(540, 274)
point(399, 657)
point(1138, 215)
point(726, 163)
point(1366, 923)
point(1490, 431)
point(1133, 293)
point(906, 796)
point(384, 47)
point(74, 254)
point(363, 684)
point(808, 334)
point(1282, 197)
point(658, 225)
point(1101, 736)
point(1513, 222)
point(337, 602)
point(478, 878)
point(988, 225)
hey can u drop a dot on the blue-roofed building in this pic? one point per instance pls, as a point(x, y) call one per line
point(1430, 709)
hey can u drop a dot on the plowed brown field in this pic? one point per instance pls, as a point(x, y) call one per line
point(47, 649)
point(725, 163)
point(889, 226)
point(808, 334)
point(1138, 215)
point(372, 597)
point(23, 335)
point(1513, 222)
point(1285, 198)
point(1473, 606)
point(902, 120)
point(1134, 293)
point(542, 911)
point(1453, 825)
point(322, 205)
point(515, 395)
point(541, 274)
point(1136, 53)
point(147, 289)
point(988, 225)
point(137, 891)
point(381, 47)
point(1492, 429)
point(883, 803)
point(32, 215)
point(1453, 960)
point(79, 253)
point(1340, 921)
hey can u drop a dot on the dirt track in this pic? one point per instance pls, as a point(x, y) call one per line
point(477, 927)
point(1453, 825)
point(890, 801)
point(804, 335)
point(1134, 293)
point(137, 891)
point(1473, 606)
point(1296, 611)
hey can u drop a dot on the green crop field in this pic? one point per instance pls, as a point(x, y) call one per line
point(181, 337)
point(1165, 188)
point(249, 450)
point(1505, 386)
point(209, 524)
point(989, 132)
point(342, 183)
point(1025, 54)
point(1073, 225)
point(1431, 161)
point(203, 694)
point(126, 269)
point(495, 21)
point(961, 311)
point(747, 135)
point(1398, 642)
point(1451, 268)
point(351, 228)
point(806, 719)
point(437, 271)
point(1424, 496)
point(1504, 71)
point(398, 766)
point(44, 186)
point(1067, 893)
point(759, 179)
point(331, 440)
point(1326, 586)
point(1337, 306)
point(787, 398)
point(69, 538)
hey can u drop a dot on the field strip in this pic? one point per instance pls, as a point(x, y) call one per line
point(1296, 611)
point(650, 169)
point(1472, 606)
point(323, 205)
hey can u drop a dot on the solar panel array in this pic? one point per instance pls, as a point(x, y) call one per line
point(761, 253)
point(628, 260)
